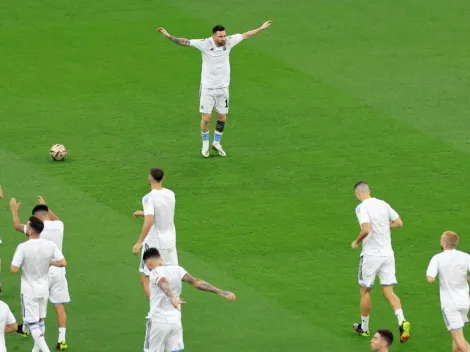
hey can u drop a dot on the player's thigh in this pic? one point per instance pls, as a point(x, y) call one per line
point(59, 289)
point(175, 339)
point(169, 256)
point(206, 101)
point(454, 319)
point(387, 272)
point(30, 309)
point(368, 268)
point(222, 101)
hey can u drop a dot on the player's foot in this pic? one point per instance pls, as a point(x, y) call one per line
point(358, 329)
point(61, 346)
point(205, 151)
point(20, 331)
point(404, 331)
point(218, 147)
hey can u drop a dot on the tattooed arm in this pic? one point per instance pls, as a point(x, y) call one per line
point(204, 286)
point(179, 41)
point(165, 286)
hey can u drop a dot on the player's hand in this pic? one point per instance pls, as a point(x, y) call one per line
point(1, 192)
point(229, 296)
point(136, 248)
point(177, 302)
point(14, 205)
point(266, 24)
point(354, 245)
point(41, 200)
point(138, 213)
point(163, 31)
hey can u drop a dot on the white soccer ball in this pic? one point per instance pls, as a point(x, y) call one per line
point(58, 152)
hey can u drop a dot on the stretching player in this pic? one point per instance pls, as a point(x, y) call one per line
point(381, 341)
point(215, 78)
point(159, 228)
point(452, 267)
point(164, 328)
point(35, 256)
point(58, 285)
point(376, 218)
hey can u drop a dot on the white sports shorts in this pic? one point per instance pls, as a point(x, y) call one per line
point(58, 288)
point(169, 257)
point(371, 266)
point(33, 308)
point(213, 98)
point(455, 319)
point(163, 337)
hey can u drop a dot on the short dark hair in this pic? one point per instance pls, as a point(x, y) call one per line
point(360, 183)
point(36, 224)
point(386, 335)
point(218, 28)
point(151, 253)
point(157, 174)
point(40, 208)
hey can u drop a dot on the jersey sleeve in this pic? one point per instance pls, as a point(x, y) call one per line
point(10, 317)
point(18, 257)
point(147, 204)
point(200, 44)
point(433, 269)
point(57, 254)
point(157, 275)
point(25, 230)
point(181, 272)
point(234, 39)
point(362, 215)
point(392, 214)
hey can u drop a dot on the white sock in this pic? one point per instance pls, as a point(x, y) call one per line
point(38, 336)
point(364, 323)
point(205, 139)
point(400, 316)
point(61, 335)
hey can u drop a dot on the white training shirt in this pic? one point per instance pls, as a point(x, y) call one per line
point(215, 61)
point(6, 318)
point(161, 308)
point(161, 205)
point(378, 214)
point(34, 257)
point(452, 267)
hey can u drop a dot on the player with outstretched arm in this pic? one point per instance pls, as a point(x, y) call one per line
point(215, 78)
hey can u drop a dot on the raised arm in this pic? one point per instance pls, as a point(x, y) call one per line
point(14, 206)
point(204, 286)
point(179, 41)
point(52, 216)
point(253, 32)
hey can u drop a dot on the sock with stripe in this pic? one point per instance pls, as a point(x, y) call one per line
point(219, 131)
point(37, 331)
point(205, 139)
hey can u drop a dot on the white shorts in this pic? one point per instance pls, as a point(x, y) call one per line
point(58, 288)
point(33, 309)
point(163, 337)
point(169, 257)
point(370, 267)
point(216, 98)
point(455, 319)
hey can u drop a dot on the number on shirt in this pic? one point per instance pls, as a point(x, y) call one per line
point(226, 103)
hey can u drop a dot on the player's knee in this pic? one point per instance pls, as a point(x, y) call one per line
point(206, 118)
point(221, 117)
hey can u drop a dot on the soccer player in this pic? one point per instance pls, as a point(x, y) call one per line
point(452, 267)
point(376, 218)
point(1, 196)
point(164, 329)
point(35, 256)
point(58, 285)
point(381, 341)
point(215, 78)
point(158, 229)
point(7, 324)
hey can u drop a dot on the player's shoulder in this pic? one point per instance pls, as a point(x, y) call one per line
point(53, 224)
point(4, 307)
point(146, 197)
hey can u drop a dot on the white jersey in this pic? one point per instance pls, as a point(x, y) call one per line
point(161, 205)
point(161, 309)
point(34, 257)
point(6, 318)
point(215, 61)
point(452, 267)
point(378, 214)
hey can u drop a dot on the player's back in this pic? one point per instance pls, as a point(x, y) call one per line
point(453, 266)
point(54, 232)
point(6, 317)
point(161, 308)
point(164, 203)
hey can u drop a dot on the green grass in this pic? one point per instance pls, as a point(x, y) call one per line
point(333, 92)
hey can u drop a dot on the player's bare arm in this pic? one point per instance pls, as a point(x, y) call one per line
point(165, 286)
point(59, 263)
point(14, 269)
point(1, 192)
point(14, 206)
point(148, 222)
point(11, 327)
point(365, 229)
point(179, 41)
point(395, 224)
point(430, 279)
point(138, 214)
point(254, 32)
point(204, 286)
point(52, 216)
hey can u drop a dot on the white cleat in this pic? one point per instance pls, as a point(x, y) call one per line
point(218, 147)
point(205, 152)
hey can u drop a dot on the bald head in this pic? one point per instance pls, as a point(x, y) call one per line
point(449, 240)
point(361, 190)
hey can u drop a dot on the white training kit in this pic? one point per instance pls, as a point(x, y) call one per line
point(6, 318)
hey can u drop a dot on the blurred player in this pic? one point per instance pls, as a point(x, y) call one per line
point(1, 192)
point(35, 256)
point(164, 329)
point(58, 285)
point(158, 230)
point(452, 267)
point(7, 324)
point(1, 196)
point(381, 341)
point(215, 78)
point(376, 218)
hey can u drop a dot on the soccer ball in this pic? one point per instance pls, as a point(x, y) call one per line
point(58, 152)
